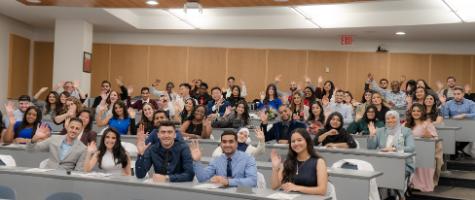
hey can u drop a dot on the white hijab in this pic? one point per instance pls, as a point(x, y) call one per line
point(393, 131)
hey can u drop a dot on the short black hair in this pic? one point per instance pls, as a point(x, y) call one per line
point(229, 132)
point(143, 89)
point(161, 111)
point(24, 98)
point(186, 85)
point(167, 123)
point(383, 79)
point(216, 88)
point(231, 78)
point(204, 85)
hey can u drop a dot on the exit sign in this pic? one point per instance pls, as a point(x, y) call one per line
point(346, 40)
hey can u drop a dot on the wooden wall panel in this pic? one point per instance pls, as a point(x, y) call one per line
point(43, 66)
point(335, 61)
point(18, 66)
point(208, 64)
point(130, 62)
point(100, 67)
point(359, 65)
point(248, 65)
point(413, 66)
point(450, 65)
point(290, 63)
point(168, 64)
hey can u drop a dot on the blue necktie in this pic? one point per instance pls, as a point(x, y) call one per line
point(229, 171)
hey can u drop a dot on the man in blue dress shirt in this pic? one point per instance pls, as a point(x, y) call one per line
point(459, 107)
point(233, 168)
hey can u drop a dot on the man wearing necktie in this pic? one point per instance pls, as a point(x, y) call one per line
point(233, 168)
point(170, 158)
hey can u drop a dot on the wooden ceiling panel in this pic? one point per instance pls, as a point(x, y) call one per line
point(178, 3)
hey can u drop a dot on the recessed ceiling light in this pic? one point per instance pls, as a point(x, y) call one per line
point(152, 2)
point(400, 33)
point(281, 0)
point(33, 1)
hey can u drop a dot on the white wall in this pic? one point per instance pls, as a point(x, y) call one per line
point(8, 26)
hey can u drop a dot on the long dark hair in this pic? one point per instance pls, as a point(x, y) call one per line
point(290, 164)
point(239, 89)
point(426, 86)
point(328, 127)
point(122, 105)
point(245, 114)
point(312, 97)
point(365, 116)
point(57, 104)
point(410, 121)
point(88, 127)
point(432, 113)
point(312, 117)
point(363, 99)
point(266, 99)
point(192, 116)
point(332, 89)
point(184, 113)
point(24, 123)
point(412, 84)
point(118, 151)
point(145, 121)
point(293, 106)
point(2, 126)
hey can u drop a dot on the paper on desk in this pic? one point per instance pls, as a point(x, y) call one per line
point(37, 170)
point(280, 195)
point(207, 186)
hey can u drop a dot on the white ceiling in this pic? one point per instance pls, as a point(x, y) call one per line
point(420, 19)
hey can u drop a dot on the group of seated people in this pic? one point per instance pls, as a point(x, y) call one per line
point(320, 115)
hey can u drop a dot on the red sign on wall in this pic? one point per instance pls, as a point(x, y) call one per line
point(346, 40)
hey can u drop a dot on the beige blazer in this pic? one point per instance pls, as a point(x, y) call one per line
point(74, 159)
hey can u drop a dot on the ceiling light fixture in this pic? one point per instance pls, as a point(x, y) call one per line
point(151, 2)
point(400, 33)
point(33, 1)
point(193, 7)
point(181, 19)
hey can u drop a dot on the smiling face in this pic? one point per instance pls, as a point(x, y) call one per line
point(327, 86)
point(240, 108)
point(23, 105)
point(391, 121)
point(145, 94)
point(335, 122)
point(199, 113)
point(242, 136)
point(167, 136)
point(235, 92)
point(298, 143)
point(367, 96)
point(347, 98)
point(307, 92)
point(113, 96)
point(316, 110)
point(119, 110)
point(105, 87)
point(74, 129)
point(85, 118)
point(297, 99)
point(110, 140)
point(51, 98)
point(147, 111)
point(189, 105)
point(371, 114)
point(420, 93)
point(31, 116)
point(62, 98)
point(285, 113)
point(228, 144)
point(416, 113)
point(429, 100)
point(216, 94)
point(159, 117)
point(339, 97)
point(376, 99)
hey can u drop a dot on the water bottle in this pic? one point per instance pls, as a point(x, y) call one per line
point(400, 144)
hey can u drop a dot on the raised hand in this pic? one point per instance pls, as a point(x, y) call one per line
point(156, 83)
point(76, 84)
point(260, 135)
point(307, 79)
point(262, 95)
point(442, 99)
point(325, 101)
point(278, 78)
point(372, 129)
point(370, 77)
point(119, 81)
point(141, 137)
point(439, 85)
point(130, 89)
point(177, 107)
point(43, 89)
point(276, 160)
point(92, 147)
point(43, 131)
point(243, 83)
point(319, 80)
point(195, 150)
point(402, 79)
point(228, 111)
point(131, 112)
point(467, 89)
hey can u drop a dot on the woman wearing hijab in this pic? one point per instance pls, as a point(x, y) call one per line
point(393, 138)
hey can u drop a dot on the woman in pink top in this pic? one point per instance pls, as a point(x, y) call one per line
point(424, 179)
